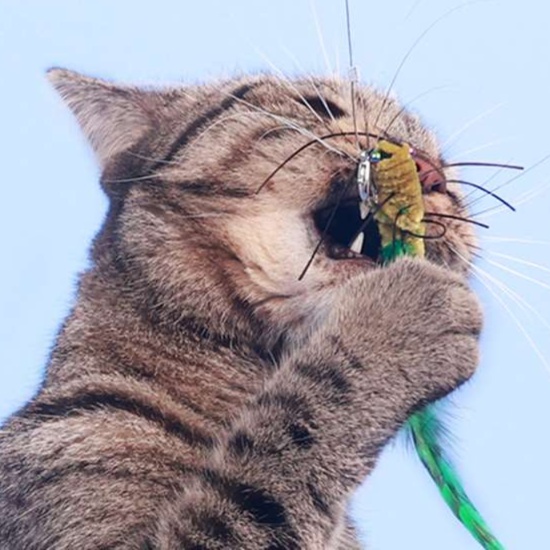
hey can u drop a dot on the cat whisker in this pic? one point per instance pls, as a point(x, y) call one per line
point(523, 173)
point(484, 190)
point(292, 124)
point(206, 215)
point(133, 180)
point(455, 135)
point(408, 104)
point(484, 278)
point(485, 184)
point(522, 199)
point(236, 116)
point(502, 166)
point(458, 218)
point(522, 304)
point(316, 88)
point(272, 130)
point(300, 150)
point(320, 37)
point(153, 159)
point(507, 269)
point(520, 261)
point(286, 80)
point(409, 53)
point(516, 240)
point(325, 230)
point(478, 148)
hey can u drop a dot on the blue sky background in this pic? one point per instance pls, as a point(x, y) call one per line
point(484, 73)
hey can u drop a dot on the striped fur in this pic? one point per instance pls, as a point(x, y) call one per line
point(198, 395)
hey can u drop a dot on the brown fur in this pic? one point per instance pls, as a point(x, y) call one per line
point(199, 396)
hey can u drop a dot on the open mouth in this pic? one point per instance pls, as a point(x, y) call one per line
point(348, 231)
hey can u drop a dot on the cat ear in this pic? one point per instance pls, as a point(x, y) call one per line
point(112, 117)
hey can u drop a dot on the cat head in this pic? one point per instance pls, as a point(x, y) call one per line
point(202, 228)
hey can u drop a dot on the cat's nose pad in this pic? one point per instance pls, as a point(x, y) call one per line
point(430, 176)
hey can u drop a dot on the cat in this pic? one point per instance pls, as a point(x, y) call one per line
point(200, 394)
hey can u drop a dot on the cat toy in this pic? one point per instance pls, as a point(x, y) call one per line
point(390, 188)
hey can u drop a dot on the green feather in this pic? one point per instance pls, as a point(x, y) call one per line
point(426, 429)
point(428, 436)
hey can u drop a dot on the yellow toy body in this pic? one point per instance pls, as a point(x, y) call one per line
point(399, 208)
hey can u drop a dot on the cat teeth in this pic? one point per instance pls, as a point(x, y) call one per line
point(363, 210)
point(357, 244)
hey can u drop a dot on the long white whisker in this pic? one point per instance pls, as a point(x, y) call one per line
point(479, 274)
point(454, 136)
point(274, 129)
point(516, 240)
point(320, 35)
point(138, 178)
point(298, 128)
point(315, 87)
point(462, 154)
point(409, 103)
point(485, 184)
point(152, 159)
point(524, 304)
point(523, 172)
point(291, 86)
point(522, 199)
point(338, 68)
point(411, 50)
point(207, 215)
point(518, 274)
point(520, 261)
point(236, 116)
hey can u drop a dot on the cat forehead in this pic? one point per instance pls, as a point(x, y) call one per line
point(326, 100)
point(380, 110)
point(115, 117)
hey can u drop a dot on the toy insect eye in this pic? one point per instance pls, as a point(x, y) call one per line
point(376, 155)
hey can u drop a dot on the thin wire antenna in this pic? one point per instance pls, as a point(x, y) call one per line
point(458, 218)
point(522, 174)
point(319, 139)
point(486, 164)
point(350, 42)
point(486, 191)
point(325, 230)
point(353, 74)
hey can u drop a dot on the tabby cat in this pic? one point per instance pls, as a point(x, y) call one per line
point(200, 395)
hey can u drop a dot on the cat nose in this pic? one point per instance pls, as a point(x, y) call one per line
point(430, 177)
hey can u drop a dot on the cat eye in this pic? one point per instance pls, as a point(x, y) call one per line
point(323, 107)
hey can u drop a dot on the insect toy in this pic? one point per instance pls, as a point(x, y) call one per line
point(390, 189)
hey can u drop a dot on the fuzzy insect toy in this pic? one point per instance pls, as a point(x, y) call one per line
point(390, 189)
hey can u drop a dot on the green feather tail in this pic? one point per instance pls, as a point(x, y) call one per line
point(428, 436)
point(400, 214)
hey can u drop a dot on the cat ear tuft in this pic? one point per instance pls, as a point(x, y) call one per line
point(112, 117)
